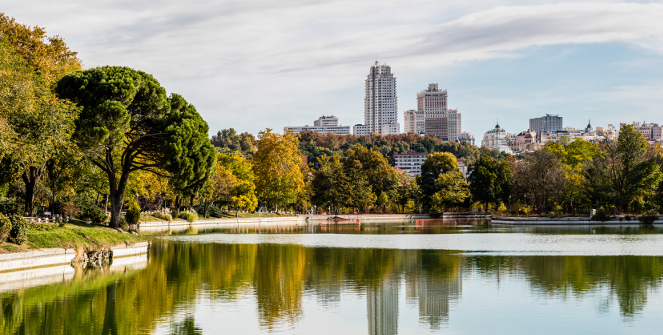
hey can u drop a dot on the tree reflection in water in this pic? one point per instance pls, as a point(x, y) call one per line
point(279, 276)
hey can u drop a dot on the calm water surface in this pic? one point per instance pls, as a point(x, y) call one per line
point(375, 279)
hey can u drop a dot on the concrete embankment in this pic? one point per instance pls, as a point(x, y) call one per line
point(22, 279)
point(59, 256)
point(564, 221)
point(301, 220)
point(153, 226)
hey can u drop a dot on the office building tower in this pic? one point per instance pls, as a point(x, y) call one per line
point(381, 103)
point(438, 119)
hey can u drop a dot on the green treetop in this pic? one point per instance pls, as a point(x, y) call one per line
point(127, 123)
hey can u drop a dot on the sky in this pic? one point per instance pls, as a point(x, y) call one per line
point(252, 65)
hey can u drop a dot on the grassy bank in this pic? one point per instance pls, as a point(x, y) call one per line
point(72, 235)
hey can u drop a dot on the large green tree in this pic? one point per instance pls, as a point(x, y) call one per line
point(375, 168)
point(632, 174)
point(434, 165)
point(489, 180)
point(329, 187)
point(128, 123)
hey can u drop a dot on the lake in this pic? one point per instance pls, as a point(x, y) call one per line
point(430, 278)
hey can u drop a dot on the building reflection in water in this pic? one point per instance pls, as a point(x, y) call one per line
point(382, 306)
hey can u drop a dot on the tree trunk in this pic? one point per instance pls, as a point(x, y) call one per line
point(117, 197)
point(116, 207)
point(31, 179)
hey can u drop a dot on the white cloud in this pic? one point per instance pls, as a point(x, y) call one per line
point(252, 64)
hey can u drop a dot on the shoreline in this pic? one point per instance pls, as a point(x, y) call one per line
point(38, 258)
point(315, 219)
point(574, 221)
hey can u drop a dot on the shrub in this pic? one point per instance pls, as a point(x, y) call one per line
point(214, 211)
point(648, 217)
point(90, 211)
point(133, 214)
point(70, 208)
point(501, 209)
point(10, 206)
point(526, 210)
point(124, 225)
point(189, 216)
point(19, 229)
point(162, 216)
point(5, 227)
point(601, 215)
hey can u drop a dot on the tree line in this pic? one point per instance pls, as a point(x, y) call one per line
point(80, 142)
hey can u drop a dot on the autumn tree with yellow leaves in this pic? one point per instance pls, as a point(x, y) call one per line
point(277, 167)
point(37, 121)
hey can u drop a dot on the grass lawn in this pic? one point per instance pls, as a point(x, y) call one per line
point(73, 235)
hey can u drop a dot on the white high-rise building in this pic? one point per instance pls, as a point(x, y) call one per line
point(381, 103)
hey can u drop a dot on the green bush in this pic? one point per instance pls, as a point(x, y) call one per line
point(90, 211)
point(601, 215)
point(133, 214)
point(5, 227)
point(212, 211)
point(162, 216)
point(124, 225)
point(18, 233)
point(648, 217)
point(189, 216)
point(10, 206)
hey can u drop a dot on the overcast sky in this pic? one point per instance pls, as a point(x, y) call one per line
point(252, 65)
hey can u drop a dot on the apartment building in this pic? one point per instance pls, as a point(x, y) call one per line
point(410, 162)
point(546, 124)
point(323, 125)
point(414, 122)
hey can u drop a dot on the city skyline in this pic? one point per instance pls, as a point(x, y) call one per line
point(498, 59)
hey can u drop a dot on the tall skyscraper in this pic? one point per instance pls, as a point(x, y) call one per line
point(437, 119)
point(432, 99)
point(381, 103)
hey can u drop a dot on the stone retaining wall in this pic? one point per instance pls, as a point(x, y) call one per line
point(564, 221)
point(58, 256)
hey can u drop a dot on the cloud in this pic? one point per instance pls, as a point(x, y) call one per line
point(274, 59)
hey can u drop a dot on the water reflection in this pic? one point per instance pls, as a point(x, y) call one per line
point(278, 279)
